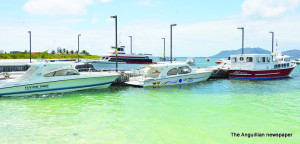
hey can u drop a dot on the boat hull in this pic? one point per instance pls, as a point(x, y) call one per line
point(174, 80)
point(259, 75)
point(58, 86)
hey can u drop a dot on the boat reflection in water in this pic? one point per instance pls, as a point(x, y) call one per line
point(46, 77)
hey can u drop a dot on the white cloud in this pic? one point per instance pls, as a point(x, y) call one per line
point(194, 39)
point(94, 20)
point(57, 7)
point(110, 19)
point(144, 3)
point(105, 1)
point(268, 8)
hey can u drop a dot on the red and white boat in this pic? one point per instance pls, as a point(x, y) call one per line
point(125, 61)
point(260, 66)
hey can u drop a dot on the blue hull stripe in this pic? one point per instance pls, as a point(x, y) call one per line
point(264, 78)
point(55, 89)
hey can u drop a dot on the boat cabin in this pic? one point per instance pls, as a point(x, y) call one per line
point(259, 62)
point(166, 70)
point(48, 70)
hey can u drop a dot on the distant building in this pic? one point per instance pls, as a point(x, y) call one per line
point(14, 52)
point(2, 51)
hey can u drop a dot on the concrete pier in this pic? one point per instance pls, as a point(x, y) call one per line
point(219, 74)
point(124, 77)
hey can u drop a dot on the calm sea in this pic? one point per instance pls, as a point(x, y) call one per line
point(205, 112)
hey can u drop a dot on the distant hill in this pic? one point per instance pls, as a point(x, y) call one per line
point(227, 53)
point(292, 53)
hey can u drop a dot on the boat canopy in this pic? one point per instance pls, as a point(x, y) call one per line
point(164, 70)
point(48, 70)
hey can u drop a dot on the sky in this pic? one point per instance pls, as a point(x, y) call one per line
point(204, 28)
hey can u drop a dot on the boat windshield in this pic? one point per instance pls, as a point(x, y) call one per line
point(53, 68)
point(65, 72)
point(184, 70)
point(29, 73)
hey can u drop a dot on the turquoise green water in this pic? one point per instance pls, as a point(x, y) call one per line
point(205, 112)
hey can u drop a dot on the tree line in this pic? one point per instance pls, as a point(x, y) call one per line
point(61, 54)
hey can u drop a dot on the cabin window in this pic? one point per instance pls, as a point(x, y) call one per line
point(172, 71)
point(263, 59)
point(184, 70)
point(268, 59)
point(275, 66)
point(287, 59)
point(154, 73)
point(278, 65)
point(258, 59)
point(66, 72)
point(241, 58)
point(249, 59)
point(282, 65)
point(234, 59)
point(288, 64)
point(285, 65)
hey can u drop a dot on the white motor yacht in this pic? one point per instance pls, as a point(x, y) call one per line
point(260, 66)
point(54, 77)
point(164, 74)
point(125, 61)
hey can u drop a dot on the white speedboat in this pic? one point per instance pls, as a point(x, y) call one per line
point(164, 74)
point(54, 77)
